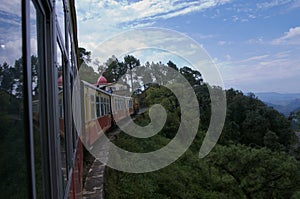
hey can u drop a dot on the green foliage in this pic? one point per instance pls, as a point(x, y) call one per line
point(7, 77)
point(163, 96)
point(84, 57)
point(194, 77)
point(249, 121)
point(12, 159)
point(249, 162)
point(115, 69)
point(88, 74)
point(258, 173)
point(172, 65)
point(131, 62)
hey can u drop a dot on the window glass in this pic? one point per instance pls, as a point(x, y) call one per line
point(92, 107)
point(87, 115)
point(61, 99)
point(109, 106)
point(98, 106)
point(73, 136)
point(35, 20)
point(60, 16)
point(102, 106)
point(13, 170)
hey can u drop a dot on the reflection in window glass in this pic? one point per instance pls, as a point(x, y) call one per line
point(102, 106)
point(60, 16)
point(92, 107)
point(61, 116)
point(13, 182)
point(98, 106)
point(36, 101)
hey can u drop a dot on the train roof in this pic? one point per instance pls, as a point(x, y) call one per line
point(103, 91)
point(94, 87)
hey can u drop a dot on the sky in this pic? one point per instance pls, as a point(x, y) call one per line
point(255, 45)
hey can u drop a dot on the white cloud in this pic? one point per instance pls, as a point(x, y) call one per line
point(222, 43)
point(125, 12)
point(254, 73)
point(12, 7)
point(228, 57)
point(296, 4)
point(254, 58)
point(203, 36)
point(109, 17)
point(292, 37)
point(255, 41)
point(11, 52)
point(272, 3)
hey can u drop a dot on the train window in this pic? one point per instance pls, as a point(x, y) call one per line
point(61, 107)
point(102, 106)
point(63, 149)
point(72, 126)
point(72, 55)
point(109, 111)
point(60, 16)
point(116, 104)
point(92, 107)
point(13, 182)
point(87, 115)
point(36, 18)
point(98, 106)
point(105, 106)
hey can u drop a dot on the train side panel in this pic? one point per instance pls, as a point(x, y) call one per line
point(97, 113)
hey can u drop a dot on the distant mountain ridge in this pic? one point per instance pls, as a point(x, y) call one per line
point(283, 102)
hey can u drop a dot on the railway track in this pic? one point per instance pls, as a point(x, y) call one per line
point(93, 187)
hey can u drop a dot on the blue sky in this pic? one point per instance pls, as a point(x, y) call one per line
point(255, 44)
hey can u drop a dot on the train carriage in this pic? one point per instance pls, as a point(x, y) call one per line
point(97, 117)
point(121, 107)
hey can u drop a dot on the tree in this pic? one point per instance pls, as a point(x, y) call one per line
point(257, 173)
point(271, 141)
point(7, 78)
point(88, 74)
point(253, 129)
point(115, 69)
point(172, 65)
point(35, 75)
point(253, 120)
point(131, 62)
point(100, 67)
point(84, 56)
point(194, 77)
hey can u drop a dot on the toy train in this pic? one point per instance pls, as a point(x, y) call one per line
point(102, 110)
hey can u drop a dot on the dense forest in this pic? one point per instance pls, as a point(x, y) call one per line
point(12, 160)
point(257, 155)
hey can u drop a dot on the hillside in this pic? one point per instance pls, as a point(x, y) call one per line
point(250, 159)
point(284, 103)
